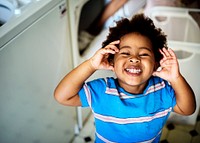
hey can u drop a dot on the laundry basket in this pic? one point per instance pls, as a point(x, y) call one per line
point(183, 34)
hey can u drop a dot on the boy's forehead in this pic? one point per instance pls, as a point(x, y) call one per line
point(135, 39)
point(134, 35)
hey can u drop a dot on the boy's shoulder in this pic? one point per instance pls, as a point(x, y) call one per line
point(107, 81)
point(159, 82)
point(156, 79)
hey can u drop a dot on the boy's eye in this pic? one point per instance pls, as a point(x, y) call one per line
point(145, 54)
point(125, 53)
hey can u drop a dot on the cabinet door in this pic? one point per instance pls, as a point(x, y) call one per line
point(31, 65)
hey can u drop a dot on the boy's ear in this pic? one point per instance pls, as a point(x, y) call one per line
point(111, 62)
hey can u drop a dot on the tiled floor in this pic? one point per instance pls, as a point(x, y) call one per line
point(171, 133)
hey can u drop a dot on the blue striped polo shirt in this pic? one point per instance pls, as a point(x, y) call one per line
point(123, 117)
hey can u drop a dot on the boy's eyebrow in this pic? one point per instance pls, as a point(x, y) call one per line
point(146, 48)
point(149, 49)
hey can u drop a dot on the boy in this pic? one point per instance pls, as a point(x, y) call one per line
point(134, 106)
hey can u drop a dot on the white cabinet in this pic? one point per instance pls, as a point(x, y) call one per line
point(31, 65)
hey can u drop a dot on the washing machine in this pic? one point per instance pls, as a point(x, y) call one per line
point(79, 20)
point(35, 54)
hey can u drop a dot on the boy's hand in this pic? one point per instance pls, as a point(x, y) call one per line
point(168, 65)
point(100, 58)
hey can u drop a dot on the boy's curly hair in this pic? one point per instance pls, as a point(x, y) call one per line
point(142, 25)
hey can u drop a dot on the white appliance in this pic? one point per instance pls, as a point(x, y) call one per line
point(35, 53)
point(183, 35)
point(75, 9)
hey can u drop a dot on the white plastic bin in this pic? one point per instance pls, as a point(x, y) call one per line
point(183, 34)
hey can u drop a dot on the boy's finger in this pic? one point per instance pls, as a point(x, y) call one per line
point(161, 51)
point(109, 51)
point(111, 47)
point(172, 52)
point(115, 42)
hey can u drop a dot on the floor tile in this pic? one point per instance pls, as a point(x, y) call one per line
point(198, 127)
point(177, 136)
point(78, 139)
point(164, 135)
point(164, 141)
point(196, 139)
point(185, 128)
point(193, 133)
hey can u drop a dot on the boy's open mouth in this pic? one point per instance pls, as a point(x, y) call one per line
point(133, 70)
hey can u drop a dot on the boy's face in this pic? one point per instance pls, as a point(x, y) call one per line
point(134, 63)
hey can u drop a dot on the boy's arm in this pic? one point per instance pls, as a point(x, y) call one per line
point(67, 90)
point(185, 98)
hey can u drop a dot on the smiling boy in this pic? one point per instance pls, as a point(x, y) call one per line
point(134, 106)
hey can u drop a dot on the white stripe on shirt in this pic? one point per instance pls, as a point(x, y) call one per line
point(151, 89)
point(131, 120)
point(107, 141)
point(88, 94)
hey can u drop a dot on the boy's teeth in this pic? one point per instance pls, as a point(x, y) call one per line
point(134, 70)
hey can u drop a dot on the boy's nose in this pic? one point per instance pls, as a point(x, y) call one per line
point(134, 60)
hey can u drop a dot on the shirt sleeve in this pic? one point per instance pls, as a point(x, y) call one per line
point(91, 91)
point(83, 97)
